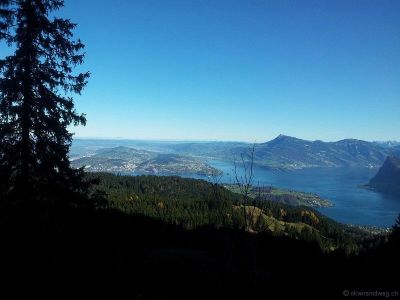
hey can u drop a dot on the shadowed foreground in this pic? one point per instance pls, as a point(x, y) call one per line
point(82, 252)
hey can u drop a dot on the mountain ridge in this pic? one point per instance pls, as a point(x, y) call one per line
point(293, 153)
point(282, 152)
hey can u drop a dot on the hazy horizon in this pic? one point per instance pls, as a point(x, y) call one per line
point(222, 141)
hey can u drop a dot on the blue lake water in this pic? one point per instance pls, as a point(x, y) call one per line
point(352, 204)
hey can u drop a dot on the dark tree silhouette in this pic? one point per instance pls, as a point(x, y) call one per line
point(36, 105)
point(395, 236)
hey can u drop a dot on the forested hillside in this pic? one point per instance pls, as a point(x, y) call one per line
point(161, 237)
point(193, 203)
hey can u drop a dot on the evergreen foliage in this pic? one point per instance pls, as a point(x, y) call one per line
point(193, 203)
point(37, 82)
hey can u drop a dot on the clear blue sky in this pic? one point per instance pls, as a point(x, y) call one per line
point(240, 69)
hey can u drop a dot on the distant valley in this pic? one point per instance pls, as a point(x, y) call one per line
point(283, 152)
point(316, 174)
point(125, 160)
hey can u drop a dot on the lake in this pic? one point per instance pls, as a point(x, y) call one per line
point(352, 204)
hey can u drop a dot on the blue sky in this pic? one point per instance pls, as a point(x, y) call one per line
point(243, 70)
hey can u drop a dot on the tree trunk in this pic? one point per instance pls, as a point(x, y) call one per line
point(26, 120)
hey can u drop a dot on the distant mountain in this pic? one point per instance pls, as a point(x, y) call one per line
point(283, 152)
point(292, 153)
point(208, 149)
point(395, 151)
point(387, 179)
point(126, 159)
point(387, 144)
point(125, 153)
point(86, 147)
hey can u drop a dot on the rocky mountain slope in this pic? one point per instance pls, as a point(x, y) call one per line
point(387, 179)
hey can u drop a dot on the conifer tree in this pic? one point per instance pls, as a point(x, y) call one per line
point(37, 82)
